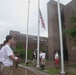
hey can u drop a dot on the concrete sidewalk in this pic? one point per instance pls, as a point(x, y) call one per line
point(33, 69)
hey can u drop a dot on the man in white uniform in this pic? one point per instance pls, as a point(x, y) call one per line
point(8, 56)
point(1, 59)
point(57, 60)
point(42, 56)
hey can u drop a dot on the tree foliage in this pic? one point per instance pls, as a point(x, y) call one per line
point(72, 30)
point(22, 51)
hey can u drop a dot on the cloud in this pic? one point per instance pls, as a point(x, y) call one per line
point(4, 29)
point(13, 16)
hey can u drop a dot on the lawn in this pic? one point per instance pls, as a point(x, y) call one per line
point(73, 65)
point(54, 71)
point(50, 71)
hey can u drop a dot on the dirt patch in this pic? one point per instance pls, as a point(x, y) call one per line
point(22, 71)
point(18, 71)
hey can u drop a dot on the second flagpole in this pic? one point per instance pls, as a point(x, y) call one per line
point(61, 40)
point(38, 34)
point(27, 32)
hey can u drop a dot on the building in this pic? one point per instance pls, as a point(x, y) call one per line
point(68, 13)
point(32, 41)
point(53, 30)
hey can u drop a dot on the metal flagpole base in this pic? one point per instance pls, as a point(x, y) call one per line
point(37, 66)
point(62, 72)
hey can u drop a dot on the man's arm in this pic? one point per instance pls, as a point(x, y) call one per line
point(13, 58)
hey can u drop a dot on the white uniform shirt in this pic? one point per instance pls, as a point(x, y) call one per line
point(6, 52)
point(42, 55)
point(1, 59)
point(57, 56)
point(0, 56)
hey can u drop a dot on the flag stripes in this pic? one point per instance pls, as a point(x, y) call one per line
point(42, 20)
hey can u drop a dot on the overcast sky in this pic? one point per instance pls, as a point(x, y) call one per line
point(13, 16)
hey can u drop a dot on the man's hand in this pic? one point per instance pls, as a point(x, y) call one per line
point(17, 59)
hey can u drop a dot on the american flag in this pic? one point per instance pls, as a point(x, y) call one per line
point(42, 20)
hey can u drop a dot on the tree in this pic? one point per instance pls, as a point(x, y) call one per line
point(20, 49)
point(72, 30)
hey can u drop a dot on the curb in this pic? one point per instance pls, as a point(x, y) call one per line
point(34, 70)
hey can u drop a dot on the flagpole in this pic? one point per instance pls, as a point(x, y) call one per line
point(61, 40)
point(27, 32)
point(38, 34)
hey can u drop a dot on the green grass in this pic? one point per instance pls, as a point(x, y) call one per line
point(25, 64)
point(53, 71)
point(50, 71)
point(73, 65)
